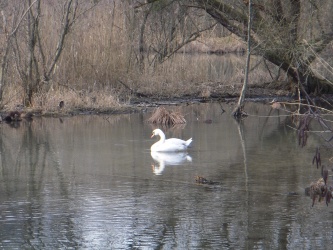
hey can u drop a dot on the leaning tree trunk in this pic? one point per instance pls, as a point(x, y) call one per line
point(277, 33)
point(239, 110)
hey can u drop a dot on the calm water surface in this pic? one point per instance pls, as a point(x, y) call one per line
point(90, 182)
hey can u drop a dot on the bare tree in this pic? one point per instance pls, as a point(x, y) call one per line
point(7, 35)
point(289, 34)
point(169, 25)
point(29, 39)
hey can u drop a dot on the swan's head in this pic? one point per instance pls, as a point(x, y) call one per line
point(156, 132)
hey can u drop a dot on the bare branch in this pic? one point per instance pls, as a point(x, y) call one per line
point(23, 15)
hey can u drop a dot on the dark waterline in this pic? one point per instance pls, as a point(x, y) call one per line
point(91, 182)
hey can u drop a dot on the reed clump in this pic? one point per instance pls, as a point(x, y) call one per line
point(166, 117)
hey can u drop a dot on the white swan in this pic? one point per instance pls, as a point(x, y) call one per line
point(164, 159)
point(169, 145)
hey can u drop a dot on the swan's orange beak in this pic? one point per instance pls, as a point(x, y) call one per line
point(152, 135)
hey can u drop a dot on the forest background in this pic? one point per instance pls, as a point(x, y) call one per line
point(97, 54)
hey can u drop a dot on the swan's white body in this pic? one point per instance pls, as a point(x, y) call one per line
point(164, 159)
point(169, 145)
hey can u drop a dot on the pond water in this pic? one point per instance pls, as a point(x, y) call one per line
point(90, 182)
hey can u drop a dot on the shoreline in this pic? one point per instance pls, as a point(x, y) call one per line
point(139, 104)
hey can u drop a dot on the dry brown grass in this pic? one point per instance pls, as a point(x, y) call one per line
point(12, 97)
point(165, 117)
point(102, 49)
point(76, 99)
point(48, 101)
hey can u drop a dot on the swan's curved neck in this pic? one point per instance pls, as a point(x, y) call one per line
point(162, 137)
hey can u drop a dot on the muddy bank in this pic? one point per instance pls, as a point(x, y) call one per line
point(220, 93)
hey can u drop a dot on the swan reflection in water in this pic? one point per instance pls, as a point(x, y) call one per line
point(164, 159)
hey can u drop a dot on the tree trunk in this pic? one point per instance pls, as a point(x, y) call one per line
point(278, 33)
point(239, 110)
point(3, 67)
point(32, 74)
point(141, 40)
